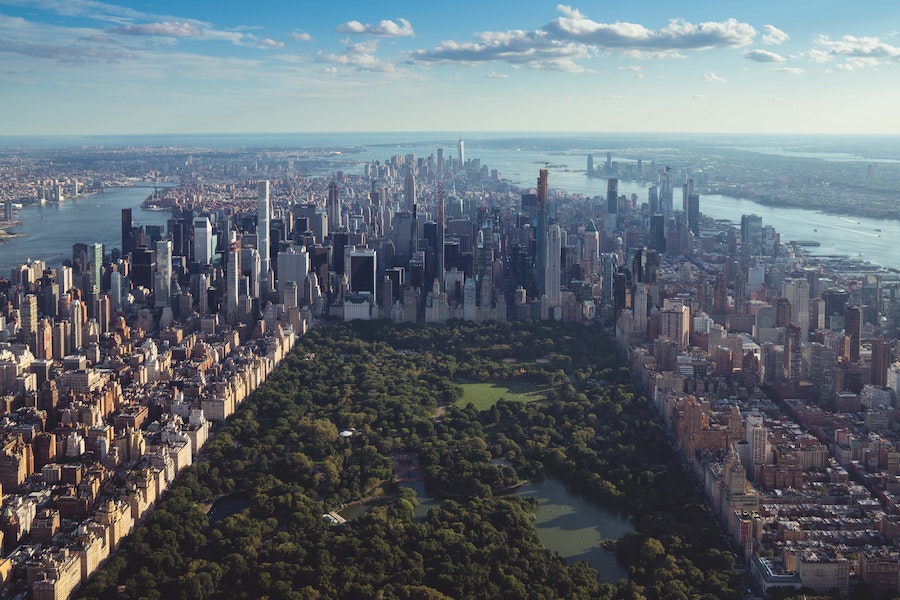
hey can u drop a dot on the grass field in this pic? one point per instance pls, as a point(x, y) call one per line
point(485, 395)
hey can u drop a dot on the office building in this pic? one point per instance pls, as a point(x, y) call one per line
point(263, 233)
point(552, 273)
point(203, 241)
point(162, 281)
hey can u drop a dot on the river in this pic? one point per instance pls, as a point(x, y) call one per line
point(50, 230)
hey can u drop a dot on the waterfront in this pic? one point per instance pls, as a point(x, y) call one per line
point(49, 230)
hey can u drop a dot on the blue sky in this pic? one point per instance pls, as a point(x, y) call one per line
point(90, 67)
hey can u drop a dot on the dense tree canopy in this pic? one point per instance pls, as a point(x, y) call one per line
point(282, 454)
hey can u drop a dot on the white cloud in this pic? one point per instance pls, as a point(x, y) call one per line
point(533, 49)
point(387, 28)
point(710, 77)
point(858, 62)
point(636, 69)
point(360, 57)
point(791, 70)
point(677, 35)
point(773, 36)
point(572, 37)
point(269, 43)
point(165, 28)
point(496, 75)
point(817, 56)
point(301, 36)
point(764, 56)
point(857, 52)
point(850, 45)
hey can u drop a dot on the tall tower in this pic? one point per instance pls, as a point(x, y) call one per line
point(28, 314)
point(203, 246)
point(95, 264)
point(591, 254)
point(233, 276)
point(612, 196)
point(440, 238)
point(881, 361)
point(853, 329)
point(462, 154)
point(552, 272)
point(263, 216)
point(127, 233)
point(797, 293)
point(162, 281)
point(334, 205)
point(543, 191)
point(409, 191)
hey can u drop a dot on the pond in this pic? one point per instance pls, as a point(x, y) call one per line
point(575, 528)
point(566, 523)
point(226, 506)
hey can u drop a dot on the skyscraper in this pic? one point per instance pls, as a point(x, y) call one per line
point(462, 154)
point(233, 275)
point(95, 264)
point(293, 265)
point(127, 232)
point(881, 361)
point(543, 191)
point(853, 329)
point(162, 281)
point(612, 196)
point(263, 216)
point(334, 205)
point(409, 191)
point(553, 271)
point(439, 249)
point(751, 235)
point(362, 276)
point(28, 314)
point(203, 245)
point(797, 293)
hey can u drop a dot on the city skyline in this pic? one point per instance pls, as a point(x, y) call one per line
point(93, 67)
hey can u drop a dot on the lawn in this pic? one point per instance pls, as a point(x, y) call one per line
point(485, 395)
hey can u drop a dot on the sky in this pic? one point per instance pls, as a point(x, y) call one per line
point(718, 66)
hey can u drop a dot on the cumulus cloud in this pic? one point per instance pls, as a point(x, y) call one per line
point(387, 28)
point(710, 77)
point(360, 57)
point(791, 70)
point(269, 43)
point(301, 36)
point(773, 36)
point(857, 52)
point(573, 36)
point(534, 49)
point(764, 56)
point(677, 35)
point(636, 69)
point(496, 75)
point(850, 45)
point(858, 62)
point(817, 56)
